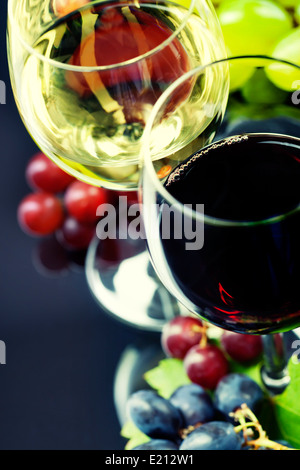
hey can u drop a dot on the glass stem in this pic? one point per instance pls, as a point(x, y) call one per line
point(274, 371)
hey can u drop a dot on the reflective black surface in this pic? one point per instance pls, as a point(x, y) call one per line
point(56, 390)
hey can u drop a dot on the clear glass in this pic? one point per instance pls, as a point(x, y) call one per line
point(86, 80)
point(240, 272)
point(216, 231)
point(129, 288)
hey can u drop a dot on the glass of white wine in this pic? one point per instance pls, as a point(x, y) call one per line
point(85, 76)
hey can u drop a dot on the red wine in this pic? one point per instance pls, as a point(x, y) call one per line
point(246, 277)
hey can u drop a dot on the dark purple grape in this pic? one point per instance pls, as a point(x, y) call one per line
point(154, 415)
point(157, 444)
point(216, 435)
point(194, 403)
point(235, 389)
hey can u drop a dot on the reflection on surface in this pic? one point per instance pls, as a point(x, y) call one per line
point(123, 282)
point(136, 359)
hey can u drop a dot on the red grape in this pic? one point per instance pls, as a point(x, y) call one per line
point(206, 365)
point(241, 347)
point(42, 174)
point(75, 236)
point(82, 200)
point(180, 334)
point(40, 213)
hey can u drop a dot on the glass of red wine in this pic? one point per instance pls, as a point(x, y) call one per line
point(223, 228)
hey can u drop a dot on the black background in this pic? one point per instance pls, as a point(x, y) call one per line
point(56, 390)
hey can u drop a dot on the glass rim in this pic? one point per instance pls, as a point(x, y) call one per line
point(147, 160)
point(80, 68)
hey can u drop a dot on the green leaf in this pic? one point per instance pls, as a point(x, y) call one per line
point(134, 435)
point(287, 408)
point(167, 377)
point(253, 370)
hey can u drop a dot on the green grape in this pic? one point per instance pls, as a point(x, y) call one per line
point(288, 3)
point(253, 26)
point(239, 74)
point(288, 48)
point(297, 13)
point(260, 90)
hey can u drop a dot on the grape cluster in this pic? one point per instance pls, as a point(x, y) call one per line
point(61, 211)
point(192, 419)
point(217, 410)
point(262, 27)
point(205, 362)
point(257, 26)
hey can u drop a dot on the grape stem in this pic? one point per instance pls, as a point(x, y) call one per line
point(249, 424)
point(183, 433)
point(203, 330)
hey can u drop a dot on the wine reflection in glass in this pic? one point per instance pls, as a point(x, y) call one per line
point(85, 81)
point(223, 227)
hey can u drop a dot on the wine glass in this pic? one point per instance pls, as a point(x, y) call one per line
point(85, 76)
point(223, 227)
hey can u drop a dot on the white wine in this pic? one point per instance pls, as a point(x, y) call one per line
point(91, 79)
